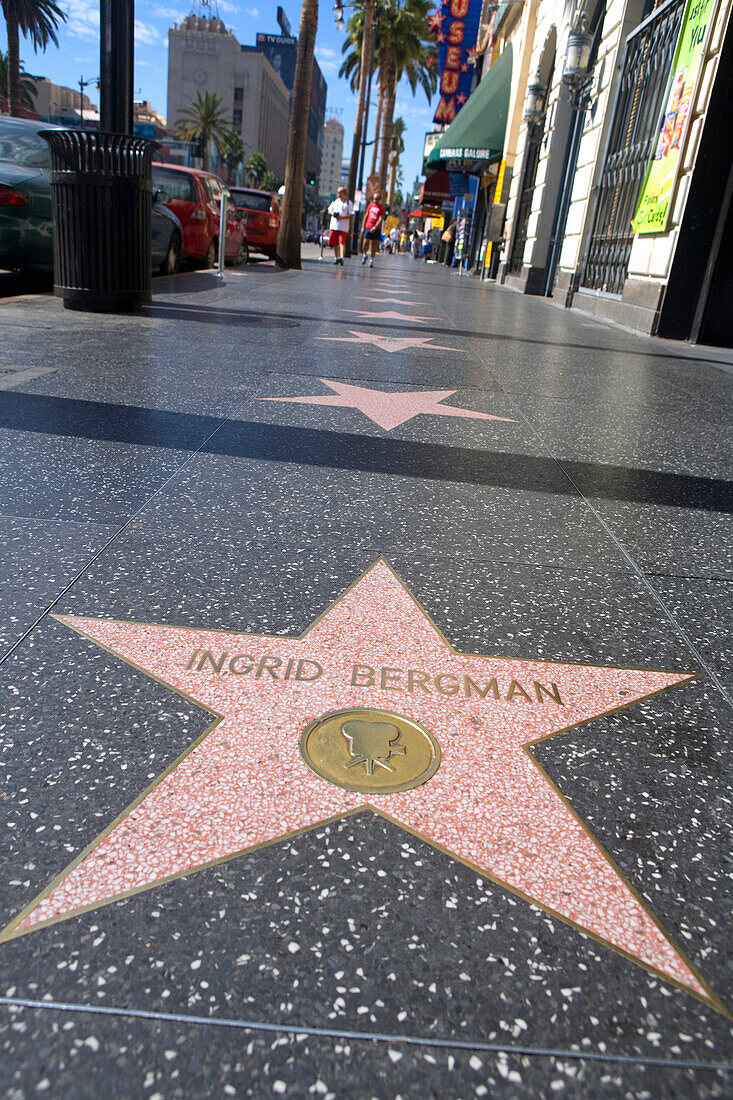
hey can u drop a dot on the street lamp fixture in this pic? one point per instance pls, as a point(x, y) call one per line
point(534, 107)
point(577, 69)
point(338, 14)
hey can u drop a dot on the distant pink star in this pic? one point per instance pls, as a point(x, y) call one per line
point(389, 314)
point(398, 301)
point(388, 409)
point(390, 343)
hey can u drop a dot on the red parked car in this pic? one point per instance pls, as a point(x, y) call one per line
point(261, 215)
point(194, 197)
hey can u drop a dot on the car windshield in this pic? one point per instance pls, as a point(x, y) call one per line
point(251, 200)
point(23, 146)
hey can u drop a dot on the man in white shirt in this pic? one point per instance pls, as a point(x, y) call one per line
point(340, 210)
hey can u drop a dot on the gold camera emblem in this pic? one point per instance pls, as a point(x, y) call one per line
point(374, 751)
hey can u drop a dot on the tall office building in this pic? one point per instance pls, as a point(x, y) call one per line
point(331, 154)
point(280, 51)
point(204, 56)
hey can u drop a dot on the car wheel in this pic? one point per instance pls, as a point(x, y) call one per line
point(172, 261)
point(242, 255)
point(210, 257)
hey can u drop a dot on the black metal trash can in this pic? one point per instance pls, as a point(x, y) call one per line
point(101, 189)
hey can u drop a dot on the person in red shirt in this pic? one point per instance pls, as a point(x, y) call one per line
point(371, 234)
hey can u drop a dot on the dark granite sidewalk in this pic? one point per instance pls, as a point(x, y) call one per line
point(470, 494)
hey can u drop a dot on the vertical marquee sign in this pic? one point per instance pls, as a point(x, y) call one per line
point(455, 27)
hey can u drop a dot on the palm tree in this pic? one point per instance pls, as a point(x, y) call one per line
point(397, 148)
point(203, 122)
point(404, 49)
point(288, 238)
point(231, 151)
point(34, 19)
point(27, 84)
point(357, 66)
point(256, 168)
point(268, 182)
point(377, 131)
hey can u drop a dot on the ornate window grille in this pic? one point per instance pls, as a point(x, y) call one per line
point(635, 127)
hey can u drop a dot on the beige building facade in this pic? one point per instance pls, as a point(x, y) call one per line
point(584, 142)
point(575, 165)
point(57, 103)
point(331, 156)
point(203, 56)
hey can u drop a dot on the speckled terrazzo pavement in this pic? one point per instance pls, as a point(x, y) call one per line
point(152, 479)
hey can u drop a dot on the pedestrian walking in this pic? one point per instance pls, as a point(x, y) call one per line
point(448, 239)
point(340, 210)
point(371, 234)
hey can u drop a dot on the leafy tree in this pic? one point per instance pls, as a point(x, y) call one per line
point(37, 20)
point(27, 84)
point(231, 151)
point(256, 168)
point(203, 122)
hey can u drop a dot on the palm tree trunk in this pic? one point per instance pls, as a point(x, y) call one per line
point(390, 83)
point(367, 45)
point(392, 178)
point(377, 128)
point(14, 95)
point(288, 238)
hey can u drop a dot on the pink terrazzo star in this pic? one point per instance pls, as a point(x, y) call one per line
point(398, 301)
point(385, 408)
point(389, 315)
point(390, 343)
point(489, 804)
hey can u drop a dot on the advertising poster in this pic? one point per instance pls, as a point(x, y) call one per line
point(455, 27)
point(655, 203)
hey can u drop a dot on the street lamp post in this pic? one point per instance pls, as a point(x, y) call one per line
point(82, 85)
point(365, 80)
point(116, 66)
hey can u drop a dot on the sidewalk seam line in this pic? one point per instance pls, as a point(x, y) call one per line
point(112, 538)
point(362, 1036)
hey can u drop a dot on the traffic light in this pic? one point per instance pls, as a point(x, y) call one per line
point(312, 180)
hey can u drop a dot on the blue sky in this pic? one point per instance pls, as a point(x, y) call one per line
point(78, 55)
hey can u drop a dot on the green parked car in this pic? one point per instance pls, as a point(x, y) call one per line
point(26, 231)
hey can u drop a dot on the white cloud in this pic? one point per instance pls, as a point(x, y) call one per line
point(145, 34)
point(224, 5)
point(409, 110)
point(254, 12)
point(327, 58)
point(161, 12)
point(82, 19)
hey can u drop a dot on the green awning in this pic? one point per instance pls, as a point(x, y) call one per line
point(477, 132)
